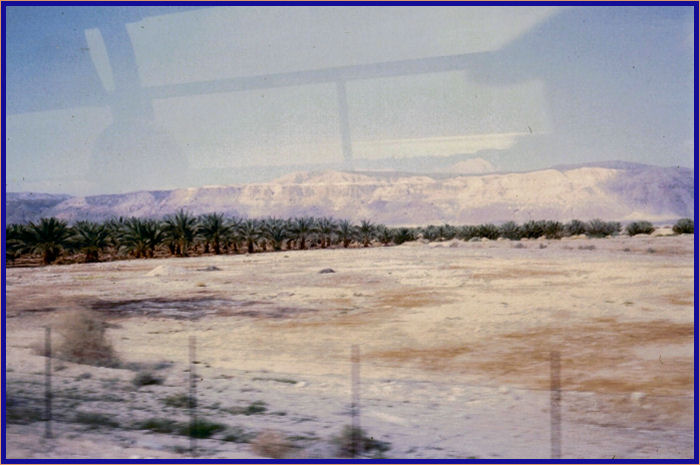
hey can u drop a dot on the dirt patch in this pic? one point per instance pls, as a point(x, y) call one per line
point(595, 357)
point(338, 318)
point(518, 273)
point(378, 308)
point(409, 298)
point(680, 299)
point(264, 310)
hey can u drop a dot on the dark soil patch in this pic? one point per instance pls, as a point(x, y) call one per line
point(193, 308)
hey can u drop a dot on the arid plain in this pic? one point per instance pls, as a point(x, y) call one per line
point(454, 337)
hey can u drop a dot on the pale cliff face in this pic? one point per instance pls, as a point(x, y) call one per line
point(585, 192)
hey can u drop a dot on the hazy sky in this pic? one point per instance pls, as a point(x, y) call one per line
point(111, 99)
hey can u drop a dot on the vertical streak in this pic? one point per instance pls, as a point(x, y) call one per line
point(355, 407)
point(129, 101)
point(193, 398)
point(555, 404)
point(47, 392)
point(344, 123)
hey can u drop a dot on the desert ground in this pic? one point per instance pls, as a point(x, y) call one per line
point(454, 337)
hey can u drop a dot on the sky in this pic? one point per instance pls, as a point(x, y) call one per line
point(113, 99)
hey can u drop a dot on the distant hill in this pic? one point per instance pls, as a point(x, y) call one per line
point(23, 207)
point(611, 190)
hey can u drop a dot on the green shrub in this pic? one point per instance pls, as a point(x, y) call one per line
point(22, 412)
point(146, 378)
point(553, 230)
point(511, 230)
point(402, 235)
point(159, 425)
point(488, 231)
point(354, 441)
point(177, 401)
point(533, 229)
point(575, 228)
point(684, 226)
point(466, 232)
point(430, 233)
point(254, 408)
point(600, 228)
point(447, 232)
point(639, 227)
point(95, 419)
point(201, 428)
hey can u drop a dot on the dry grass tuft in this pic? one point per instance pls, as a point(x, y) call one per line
point(272, 444)
point(85, 341)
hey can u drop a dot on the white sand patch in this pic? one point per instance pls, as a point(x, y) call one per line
point(167, 270)
point(664, 231)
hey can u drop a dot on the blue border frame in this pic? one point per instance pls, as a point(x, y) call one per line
point(694, 4)
point(350, 3)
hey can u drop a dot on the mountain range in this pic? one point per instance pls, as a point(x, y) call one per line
point(619, 191)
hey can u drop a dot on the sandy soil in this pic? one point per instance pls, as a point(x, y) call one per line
point(455, 341)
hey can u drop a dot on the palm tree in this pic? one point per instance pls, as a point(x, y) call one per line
point(91, 238)
point(249, 233)
point(141, 237)
point(233, 237)
point(384, 234)
point(291, 237)
point(49, 237)
point(15, 245)
point(326, 227)
point(402, 235)
point(366, 232)
point(213, 229)
point(115, 228)
point(302, 228)
point(346, 232)
point(180, 230)
point(275, 231)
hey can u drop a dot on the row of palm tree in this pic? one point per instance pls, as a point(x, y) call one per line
point(183, 234)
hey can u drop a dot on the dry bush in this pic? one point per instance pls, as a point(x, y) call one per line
point(272, 444)
point(85, 341)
